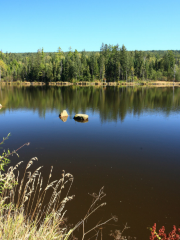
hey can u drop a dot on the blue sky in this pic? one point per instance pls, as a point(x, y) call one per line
point(27, 26)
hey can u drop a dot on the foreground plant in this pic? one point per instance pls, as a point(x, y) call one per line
point(22, 219)
point(173, 235)
point(4, 161)
point(23, 213)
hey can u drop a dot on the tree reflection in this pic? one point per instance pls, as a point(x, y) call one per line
point(112, 103)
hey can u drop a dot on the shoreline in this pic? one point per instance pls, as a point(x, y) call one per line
point(104, 84)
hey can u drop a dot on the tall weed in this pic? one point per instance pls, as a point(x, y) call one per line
point(23, 212)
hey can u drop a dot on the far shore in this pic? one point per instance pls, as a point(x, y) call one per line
point(149, 83)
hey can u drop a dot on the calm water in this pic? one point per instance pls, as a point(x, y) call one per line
point(130, 145)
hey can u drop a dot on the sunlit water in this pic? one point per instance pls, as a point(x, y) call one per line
point(130, 145)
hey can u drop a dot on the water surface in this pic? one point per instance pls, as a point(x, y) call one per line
point(130, 145)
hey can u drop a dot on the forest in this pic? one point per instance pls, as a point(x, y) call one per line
point(111, 64)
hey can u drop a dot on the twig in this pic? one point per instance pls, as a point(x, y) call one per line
point(98, 225)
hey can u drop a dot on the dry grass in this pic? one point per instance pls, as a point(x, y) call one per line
point(28, 217)
point(23, 213)
point(25, 219)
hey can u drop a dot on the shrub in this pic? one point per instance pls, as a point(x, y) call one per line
point(18, 82)
point(173, 235)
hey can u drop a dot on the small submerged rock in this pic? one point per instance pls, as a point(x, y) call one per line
point(81, 117)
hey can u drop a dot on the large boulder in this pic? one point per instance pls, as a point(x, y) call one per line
point(81, 117)
point(63, 114)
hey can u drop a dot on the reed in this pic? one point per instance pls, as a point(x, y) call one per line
point(23, 214)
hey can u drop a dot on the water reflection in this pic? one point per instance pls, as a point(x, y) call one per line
point(64, 119)
point(112, 103)
point(81, 121)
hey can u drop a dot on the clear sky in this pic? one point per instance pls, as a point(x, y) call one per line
point(27, 26)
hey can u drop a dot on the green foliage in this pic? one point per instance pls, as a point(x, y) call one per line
point(177, 77)
point(4, 161)
point(112, 63)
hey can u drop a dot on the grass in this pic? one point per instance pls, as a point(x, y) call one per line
point(23, 213)
point(24, 219)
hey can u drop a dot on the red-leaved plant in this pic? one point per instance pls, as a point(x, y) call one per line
point(173, 235)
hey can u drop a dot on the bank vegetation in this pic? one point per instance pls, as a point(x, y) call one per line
point(110, 64)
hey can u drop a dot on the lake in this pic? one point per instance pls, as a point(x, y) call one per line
point(130, 145)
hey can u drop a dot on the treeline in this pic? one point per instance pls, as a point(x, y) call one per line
point(111, 63)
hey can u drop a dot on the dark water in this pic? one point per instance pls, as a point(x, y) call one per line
point(130, 145)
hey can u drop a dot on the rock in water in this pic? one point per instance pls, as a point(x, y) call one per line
point(0, 106)
point(63, 114)
point(82, 117)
